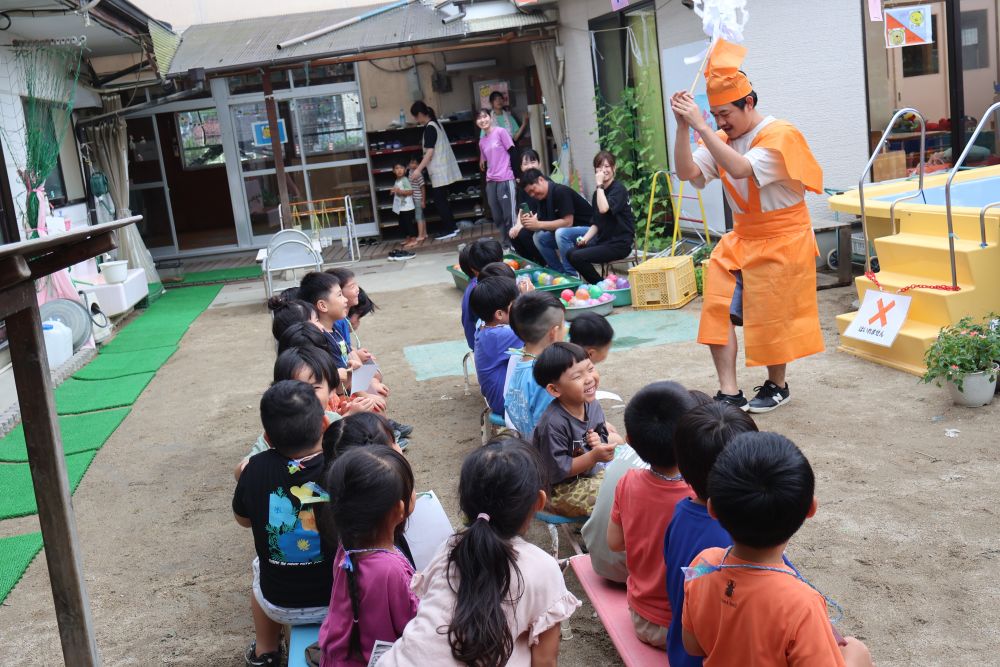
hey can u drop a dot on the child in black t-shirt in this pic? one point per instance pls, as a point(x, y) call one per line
point(276, 497)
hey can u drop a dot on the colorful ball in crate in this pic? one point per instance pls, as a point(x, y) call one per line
point(558, 280)
point(566, 294)
point(535, 276)
point(567, 302)
point(512, 263)
point(606, 297)
point(594, 291)
point(545, 279)
point(582, 293)
point(612, 276)
point(622, 283)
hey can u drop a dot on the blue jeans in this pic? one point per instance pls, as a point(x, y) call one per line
point(553, 247)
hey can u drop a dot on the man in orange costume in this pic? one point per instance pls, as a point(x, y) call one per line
point(762, 275)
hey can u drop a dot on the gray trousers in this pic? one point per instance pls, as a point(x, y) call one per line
point(503, 204)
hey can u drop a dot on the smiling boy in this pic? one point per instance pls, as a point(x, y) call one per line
point(571, 435)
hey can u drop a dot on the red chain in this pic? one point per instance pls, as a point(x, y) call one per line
point(945, 288)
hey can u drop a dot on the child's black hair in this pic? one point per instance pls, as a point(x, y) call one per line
point(702, 433)
point(497, 270)
point(556, 360)
point(700, 397)
point(490, 295)
point(531, 177)
point(651, 417)
point(761, 488)
point(500, 481)
point(530, 154)
point(591, 330)
point(318, 361)
point(358, 430)
point(316, 285)
point(533, 314)
point(285, 313)
point(290, 293)
point(365, 485)
point(302, 334)
point(463, 260)
point(292, 417)
point(342, 274)
point(364, 306)
point(484, 251)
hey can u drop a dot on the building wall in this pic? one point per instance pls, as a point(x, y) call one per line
point(183, 13)
point(819, 85)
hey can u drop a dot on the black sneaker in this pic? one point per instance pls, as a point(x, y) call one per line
point(769, 396)
point(401, 430)
point(272, 659)
point(735, 400)
point(404, 255)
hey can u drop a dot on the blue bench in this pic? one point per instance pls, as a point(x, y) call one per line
point(300, 637)
point(554, 522)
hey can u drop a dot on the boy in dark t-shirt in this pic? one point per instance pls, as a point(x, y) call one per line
point(276, 498)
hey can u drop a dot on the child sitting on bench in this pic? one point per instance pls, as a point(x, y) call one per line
point(292, 570)
point(644, 504)
point(471, 259)
point(571, 436)
point(743, 604)
point(488, 597)
point(702, 433)
point(594, 334)
point(491, 301)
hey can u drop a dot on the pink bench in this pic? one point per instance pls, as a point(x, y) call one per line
point(609, 600)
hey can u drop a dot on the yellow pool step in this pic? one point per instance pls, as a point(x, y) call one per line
point(927, 256)
point(928, 305)
point(907, 351)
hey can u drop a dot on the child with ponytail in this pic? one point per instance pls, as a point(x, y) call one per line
point(488, 597)
point(371, 495)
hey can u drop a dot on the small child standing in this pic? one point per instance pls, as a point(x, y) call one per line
point(571, 435)
point(744, 605)
point(491, 301)
point(291, 572)
point(403, 207)
point(419, 200)
point(488, 597)
point(702, 433)
point(372, 495)
point(594, 334)
point(644, 504)
point(538, 319)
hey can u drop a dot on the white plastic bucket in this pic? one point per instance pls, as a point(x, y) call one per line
point(58, 342)
point(115, 272)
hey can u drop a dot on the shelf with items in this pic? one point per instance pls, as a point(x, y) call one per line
point(386, 147)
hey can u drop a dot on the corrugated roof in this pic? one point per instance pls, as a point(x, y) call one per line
point(235, 44)
point(165, 43)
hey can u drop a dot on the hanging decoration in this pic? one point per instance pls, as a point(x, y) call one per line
point(720, 19)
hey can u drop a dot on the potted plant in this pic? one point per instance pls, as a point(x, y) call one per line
point(963, 357)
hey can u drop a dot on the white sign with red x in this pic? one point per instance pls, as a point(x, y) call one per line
point(879, 318)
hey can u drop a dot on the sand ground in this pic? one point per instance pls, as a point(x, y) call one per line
point(906, 537)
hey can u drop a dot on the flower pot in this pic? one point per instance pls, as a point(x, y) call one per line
point(977, 388)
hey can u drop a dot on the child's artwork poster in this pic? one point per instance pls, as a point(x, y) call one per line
point(486, 88)
point(879, 318)
point(908, 26)
point(427, 529)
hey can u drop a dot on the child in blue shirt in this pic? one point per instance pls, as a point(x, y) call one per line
point(471, 259)
point(538, 319)
point(490, 302)
point(701, 435)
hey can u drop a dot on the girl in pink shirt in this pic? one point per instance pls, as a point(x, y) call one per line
point(494, 159)
point(371, 495)
point(488, 598)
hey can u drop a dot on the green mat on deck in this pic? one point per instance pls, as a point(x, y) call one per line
point(221, 275)
point(165, 322)
point(16, 554)
point(110, 366)
point(76, 396)
point(18, 497)
point(80, 433)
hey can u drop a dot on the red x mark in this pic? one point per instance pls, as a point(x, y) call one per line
point(882, 311)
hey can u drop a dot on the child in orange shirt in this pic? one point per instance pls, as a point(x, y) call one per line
point(743, 605)
point(644, 504)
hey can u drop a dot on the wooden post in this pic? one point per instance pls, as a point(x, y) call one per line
point(48, 475)
point(279, 162)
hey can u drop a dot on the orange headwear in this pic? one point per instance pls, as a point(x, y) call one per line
point(724, 81)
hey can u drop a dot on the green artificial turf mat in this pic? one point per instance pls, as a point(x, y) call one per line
point(436, 360)
point(18, 497)
point(221, 275)
point(109, 366)
point(80, 433)
point(76, 396)
point(165, 322)
point(16, 554)
point(142, 341)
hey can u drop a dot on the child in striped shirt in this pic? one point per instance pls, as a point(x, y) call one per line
point(419, 198)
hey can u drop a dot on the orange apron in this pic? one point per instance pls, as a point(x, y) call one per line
point(776, 253)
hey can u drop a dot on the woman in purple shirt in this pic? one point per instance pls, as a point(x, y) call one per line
point(494, 159)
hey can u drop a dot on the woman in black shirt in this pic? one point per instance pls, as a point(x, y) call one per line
point(612, 235)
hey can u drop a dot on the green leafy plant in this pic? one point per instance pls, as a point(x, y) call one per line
point(970, 346)
point(618, 131)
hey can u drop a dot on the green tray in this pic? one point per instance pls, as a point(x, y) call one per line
point(623, 297)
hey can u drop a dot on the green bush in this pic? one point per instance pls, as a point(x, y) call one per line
point(970, 346)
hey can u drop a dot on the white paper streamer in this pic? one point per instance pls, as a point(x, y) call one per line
point(724, 19)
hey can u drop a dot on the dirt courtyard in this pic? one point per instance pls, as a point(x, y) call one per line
point(906, 537)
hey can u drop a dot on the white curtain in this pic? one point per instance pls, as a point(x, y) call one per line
point(544, 54)
point(108, 143)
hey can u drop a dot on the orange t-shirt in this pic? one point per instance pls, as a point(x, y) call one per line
point(757, 618)
point(643, 507)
